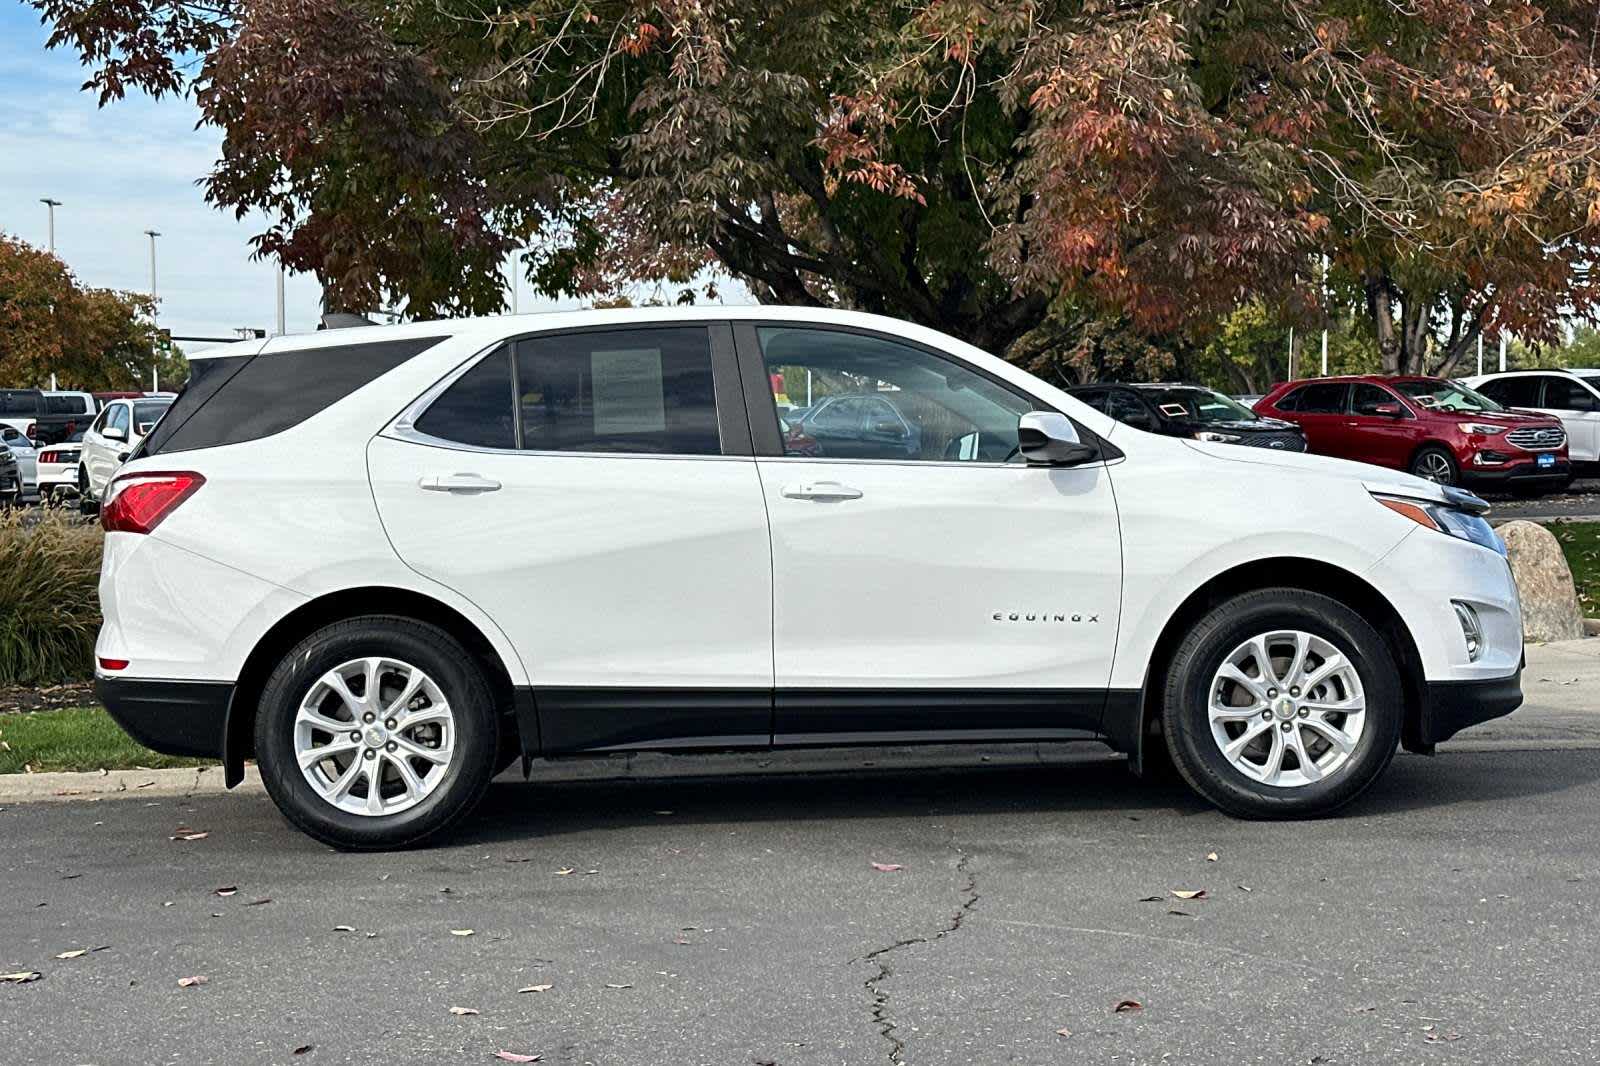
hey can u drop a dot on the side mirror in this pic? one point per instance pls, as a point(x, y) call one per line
point(1047, 438)
point(1387, 410)
point(114, 433)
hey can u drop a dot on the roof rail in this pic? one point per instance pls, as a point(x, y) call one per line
point(344, 320)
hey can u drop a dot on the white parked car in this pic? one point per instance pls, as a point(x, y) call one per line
point(111, 438)
point(584, 533)
point(1571, 395)
point(22, 450)
point(58, 465)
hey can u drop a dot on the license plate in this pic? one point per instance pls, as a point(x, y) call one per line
point(1545, 461)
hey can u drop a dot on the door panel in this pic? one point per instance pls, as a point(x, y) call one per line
point(940, 576)
point(1378, 439)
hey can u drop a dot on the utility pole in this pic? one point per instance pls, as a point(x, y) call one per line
point(516, 256)
point(51, 205)
point(1502, 353)
point(1480, 353)
point(1324, 314)
point(1291, 353)
point(281, 329)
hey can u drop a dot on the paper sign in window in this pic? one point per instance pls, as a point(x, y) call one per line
point(627, 391)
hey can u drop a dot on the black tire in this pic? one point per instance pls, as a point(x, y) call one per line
point(464, 687)
point(1186, 697)
point(1428, 459)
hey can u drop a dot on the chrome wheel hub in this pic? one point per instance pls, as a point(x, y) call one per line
point(1287, 708)
point(374, 736)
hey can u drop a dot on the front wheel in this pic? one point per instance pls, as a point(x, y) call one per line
point(1435, 463)
point(1282, 703)
point(376, 733)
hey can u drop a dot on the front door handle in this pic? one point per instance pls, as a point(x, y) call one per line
point(820, 490)
point(459, 483)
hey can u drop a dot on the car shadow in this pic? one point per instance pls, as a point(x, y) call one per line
point(1094, 786)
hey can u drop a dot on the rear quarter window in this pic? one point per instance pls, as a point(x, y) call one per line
point(234, 399)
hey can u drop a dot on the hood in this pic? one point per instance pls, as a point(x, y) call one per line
point(1304, 464)
point(1242, 425)
point(1509, 418)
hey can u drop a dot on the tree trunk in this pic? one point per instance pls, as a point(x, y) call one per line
point(1381, 310)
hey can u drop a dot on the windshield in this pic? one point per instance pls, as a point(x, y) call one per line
point(1199, 405)
point(1445, 396)
point(1590, 377)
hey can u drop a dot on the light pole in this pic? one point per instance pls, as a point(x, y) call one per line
point(281, 329)
point(51, 206)
point(152, 234)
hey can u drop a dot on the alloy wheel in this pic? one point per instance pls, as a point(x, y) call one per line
point(1435, 467)
point(374, 736)
point(1287, 708)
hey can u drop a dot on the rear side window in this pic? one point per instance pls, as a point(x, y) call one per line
point(64, 405)
point(640, 390)
point(268, 394)
point(1324, 399)
point(20, 402)
point(1513, 392)
point(1568, 394)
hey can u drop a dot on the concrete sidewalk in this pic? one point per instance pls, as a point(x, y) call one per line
point(1561, 709)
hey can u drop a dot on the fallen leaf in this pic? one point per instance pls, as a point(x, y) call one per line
point(1125, 1005)
point(535, 988)
point(344, 929)
point(259, 902)
point(1152, 899)
point(1063, 1032)
point(189, 834)
point(887, 867)
point(303, 1049)
point(462, 1012)
point(1189, 893)
point(75, 953)
point(565, 870)
point(21, 977)
point(1181, 914)
point(1211, 856)
point(619, 986)
point(190, 982)
point(523, 859)
point(1245, 888)
point(462, 932)
point(229, 890)
point(512, 1056)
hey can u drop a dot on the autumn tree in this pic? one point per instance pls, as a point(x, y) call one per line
point(1061, 181)
point(90, 339)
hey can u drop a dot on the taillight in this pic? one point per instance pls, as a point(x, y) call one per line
point(136, 503)
point(113, 664)
point(47, 457)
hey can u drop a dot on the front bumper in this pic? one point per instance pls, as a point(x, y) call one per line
point(1448, 707)
point(172, 717)
point(1517, 472)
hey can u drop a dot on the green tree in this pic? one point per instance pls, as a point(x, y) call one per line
point(94, 339)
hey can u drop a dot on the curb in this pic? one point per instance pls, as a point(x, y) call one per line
point(106, 784)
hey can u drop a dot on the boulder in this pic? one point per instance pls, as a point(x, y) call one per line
point(1550, 608)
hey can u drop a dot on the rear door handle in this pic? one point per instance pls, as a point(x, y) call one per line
point(820, 490)
point(461, 483)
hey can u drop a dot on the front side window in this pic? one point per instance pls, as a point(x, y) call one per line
point(1128, 408)
point(118, 418)
point(1366, 399)
point(1568, 394)
point(874, 398)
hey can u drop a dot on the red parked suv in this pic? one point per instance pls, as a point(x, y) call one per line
point(1433, 428)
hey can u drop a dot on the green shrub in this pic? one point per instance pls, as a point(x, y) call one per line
point(49, 602)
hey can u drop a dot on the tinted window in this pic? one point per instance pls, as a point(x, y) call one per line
point(639, 390)
point(64, 405)
point(268, 394)
point(1126, 407)
point(1513, 392)
point(206, 376)
point(1326, 398)
point(1567, 394)
point(894, 401)
point(477, 408)
point(1365, 399)
point(20, 402)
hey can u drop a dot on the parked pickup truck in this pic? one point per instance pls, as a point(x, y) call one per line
point(46, 417)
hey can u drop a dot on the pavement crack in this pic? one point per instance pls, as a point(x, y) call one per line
point(881, 1016)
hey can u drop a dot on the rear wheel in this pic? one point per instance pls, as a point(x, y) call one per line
point(1282, 703)
point(376, 733)
point(1435, 463)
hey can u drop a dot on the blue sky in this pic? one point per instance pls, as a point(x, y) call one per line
point(126, 168)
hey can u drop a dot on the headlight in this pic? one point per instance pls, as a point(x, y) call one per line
point(1217, 438)
point(1483, 429)
point(1449, 520)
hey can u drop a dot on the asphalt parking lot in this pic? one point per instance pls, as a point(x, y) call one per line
point(1448, 916)
point(1581, 501)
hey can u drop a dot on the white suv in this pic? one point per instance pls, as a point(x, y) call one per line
point(586, 532)
point(1571, 395)
point(111, 438)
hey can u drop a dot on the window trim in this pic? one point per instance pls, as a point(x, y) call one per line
point(732, 428)
point(768, 441)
